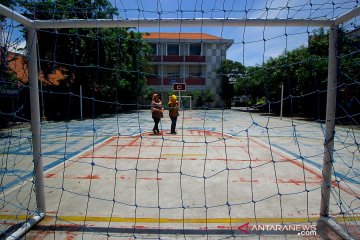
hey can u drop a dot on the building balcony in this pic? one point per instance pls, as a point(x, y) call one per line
point(194, 58)
point(153, 81)
point(189, 59)
point(164, 81)
point(154, 58)
point(195, 81)
point(172, 80)
point(173, 58)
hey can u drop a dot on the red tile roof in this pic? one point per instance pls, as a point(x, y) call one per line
point(17, 63)
point(164, 35)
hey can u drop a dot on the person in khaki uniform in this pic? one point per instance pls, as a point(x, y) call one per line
point(173, 112)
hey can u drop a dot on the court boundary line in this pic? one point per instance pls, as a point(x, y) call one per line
point(13, 185)
point(100, 219)
point(309, 167)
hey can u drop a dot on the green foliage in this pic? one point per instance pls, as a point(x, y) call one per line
point(147, 94)
point(197, 96)
point(68, 9)
point(7, 77)
point(349, 58)
point(203, 97)
point(9, 4)
point(231, 69)
point(319, 43)
point(261, 101)
point(302, 72)
point(208, 96)
point(298, 71)
point(107, 63)
point(230, 72)
point(252, 83)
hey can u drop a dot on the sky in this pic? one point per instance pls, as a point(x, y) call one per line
point(252, 45)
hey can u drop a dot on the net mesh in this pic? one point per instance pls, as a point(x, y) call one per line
point(247, 157)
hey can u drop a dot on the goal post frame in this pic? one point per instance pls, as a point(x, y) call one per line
point(171, 22)
point(33, 25)
point(329, 122)
point(31, 42)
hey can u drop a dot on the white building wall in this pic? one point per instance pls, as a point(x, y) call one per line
point(214, 53)
point(214, 56)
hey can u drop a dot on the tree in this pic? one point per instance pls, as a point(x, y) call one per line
point(300, 71)
point(7, 77)
point(303, 72)
point(9, 4)
point(201, 98)
point(251, 83)
point(229, 71)
point(107, 63)
point(319, 42)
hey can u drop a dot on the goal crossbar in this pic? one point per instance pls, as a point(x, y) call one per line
point(171, 22)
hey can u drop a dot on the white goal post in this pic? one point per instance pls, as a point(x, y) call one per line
point(189, 100)
point(228, 22)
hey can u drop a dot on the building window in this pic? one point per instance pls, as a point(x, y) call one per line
point(195, 49)
point(173, 71)
point(195, 71)
point(154, 48)
point(173, 49)
point(151, 71)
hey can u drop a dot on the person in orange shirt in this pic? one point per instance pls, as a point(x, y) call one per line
point(173, 112)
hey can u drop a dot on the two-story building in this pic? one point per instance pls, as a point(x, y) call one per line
point(191, 58)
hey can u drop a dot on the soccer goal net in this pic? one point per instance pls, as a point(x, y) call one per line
point(264, 142)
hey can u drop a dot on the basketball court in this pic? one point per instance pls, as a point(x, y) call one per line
point(222, 173)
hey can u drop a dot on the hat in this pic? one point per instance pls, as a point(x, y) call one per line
point(154, 96)
point(173, 98)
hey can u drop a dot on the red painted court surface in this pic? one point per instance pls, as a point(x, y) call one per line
point(224, 173)
point(195, 180)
